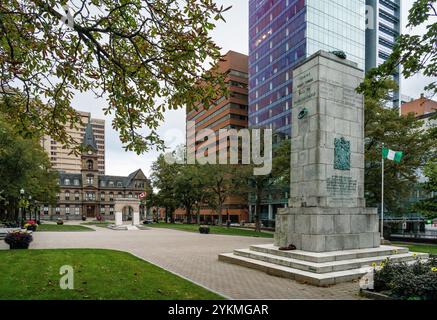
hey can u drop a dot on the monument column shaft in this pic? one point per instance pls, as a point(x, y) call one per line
point(327, 207)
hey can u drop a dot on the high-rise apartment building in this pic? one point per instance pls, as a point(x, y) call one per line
point(383, 27)
point(283, 33)
point(63, 159)
point(225, 113)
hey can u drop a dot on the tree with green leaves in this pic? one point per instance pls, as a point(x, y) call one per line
point(23, 165)
point(189, 188)
point(222, 182)
point(260, 186)
point(428, 207)
point(404, 133)
point(143, 57)
point(417, 54)
point(162, 177)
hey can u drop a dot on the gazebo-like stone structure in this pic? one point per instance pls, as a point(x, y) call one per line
point(327, 221)
point(122, 204)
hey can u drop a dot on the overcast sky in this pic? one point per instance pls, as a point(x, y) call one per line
point(232, 35)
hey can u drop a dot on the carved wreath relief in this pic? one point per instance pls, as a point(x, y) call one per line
point(342, 154)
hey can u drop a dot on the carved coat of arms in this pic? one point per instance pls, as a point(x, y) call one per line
point(342, 156)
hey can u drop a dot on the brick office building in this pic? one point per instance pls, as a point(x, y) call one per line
point(225, 113)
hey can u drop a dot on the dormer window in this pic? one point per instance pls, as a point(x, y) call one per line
point(67, 182)
point(102, 183)
point(119, 184)
point(76, 182)
point(111, 183)
point(90, 179)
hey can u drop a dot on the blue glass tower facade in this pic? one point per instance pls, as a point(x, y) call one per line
point(284, 32)
point(384, 26)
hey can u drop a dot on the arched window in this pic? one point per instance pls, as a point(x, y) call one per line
point(67, 195)
point(90, 164)
point(102, 196)
point(76, 195)
point(111, 196)
point(130, 195)
point(119, 195)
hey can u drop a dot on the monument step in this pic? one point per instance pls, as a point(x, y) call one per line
point(317, 279)
point(325, 267)
point(330, 256)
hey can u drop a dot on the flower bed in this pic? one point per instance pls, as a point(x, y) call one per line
point(402, 281)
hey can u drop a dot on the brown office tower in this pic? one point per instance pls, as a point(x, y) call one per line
point(63, 160)
point(225, 113)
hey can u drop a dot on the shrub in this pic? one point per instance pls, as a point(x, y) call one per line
point(204, 229)
point(59, 222)
point(416, 281)
point(18, 240)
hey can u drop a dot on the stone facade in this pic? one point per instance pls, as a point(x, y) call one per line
point(327, 210)
point(90, 193)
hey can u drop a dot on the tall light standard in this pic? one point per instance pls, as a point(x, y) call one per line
point(20, 209)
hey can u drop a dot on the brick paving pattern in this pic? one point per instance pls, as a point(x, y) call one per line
point(194, 256)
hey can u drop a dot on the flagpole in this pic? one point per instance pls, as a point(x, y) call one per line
point(382, 194)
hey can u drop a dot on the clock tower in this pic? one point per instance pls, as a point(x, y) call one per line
point(90, 172)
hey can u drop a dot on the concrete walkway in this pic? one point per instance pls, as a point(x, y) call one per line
point(194, 256)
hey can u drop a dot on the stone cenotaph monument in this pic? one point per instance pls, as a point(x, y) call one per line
point(335, 236)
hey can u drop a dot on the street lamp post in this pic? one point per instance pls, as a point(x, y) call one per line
point(20, 209)
point(30, 208)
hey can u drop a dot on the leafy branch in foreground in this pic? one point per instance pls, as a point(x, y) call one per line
point(144, 57)
point(416, 53)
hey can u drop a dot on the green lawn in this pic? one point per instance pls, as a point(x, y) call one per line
point(98, 275)
point(62, 228)
point(102, 224)
point(418, 247)
point(214, 230)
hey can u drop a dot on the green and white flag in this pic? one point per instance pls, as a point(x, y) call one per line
point(392, 155)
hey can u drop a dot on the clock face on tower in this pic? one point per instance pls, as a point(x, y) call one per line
point(90, 152)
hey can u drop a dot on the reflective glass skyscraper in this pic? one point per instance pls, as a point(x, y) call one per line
point(383, 27)
point(284, 32)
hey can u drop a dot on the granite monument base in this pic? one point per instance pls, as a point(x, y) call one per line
point(318, 268)
point(319, 229)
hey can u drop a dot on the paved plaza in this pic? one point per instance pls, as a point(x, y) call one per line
point(194, 256)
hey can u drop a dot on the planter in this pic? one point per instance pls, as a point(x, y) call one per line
point(83, 218)
point(32, 228)
point(204, 229)
point(17, 246)
point(18, 240)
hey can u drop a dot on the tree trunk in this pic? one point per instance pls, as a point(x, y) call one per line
point(189, 215)
point(220, 219)
point(198, 215)
point(258, 213)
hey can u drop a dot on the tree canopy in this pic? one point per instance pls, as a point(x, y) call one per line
point(144, 57)
point(401, 133)
point(23, 165)
point(415, 53)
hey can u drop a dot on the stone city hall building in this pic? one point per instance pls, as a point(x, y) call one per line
point(89, 193)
